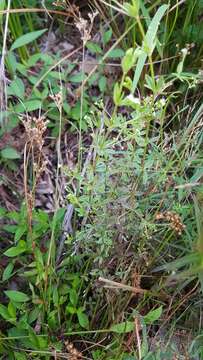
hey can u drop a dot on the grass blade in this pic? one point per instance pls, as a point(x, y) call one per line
point(174, 265)
point(148, 41)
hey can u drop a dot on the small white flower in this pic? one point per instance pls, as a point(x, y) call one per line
point(133, 99)
point(184, 51)
point(162, 101)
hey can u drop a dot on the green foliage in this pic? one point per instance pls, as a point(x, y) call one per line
point(16, 250)
point(9, 153)
point(26, 39)
point(142, 159)
point(60, 303)
point(148, 44)
point(16, 296)
point(123, 328)
point(153, 315)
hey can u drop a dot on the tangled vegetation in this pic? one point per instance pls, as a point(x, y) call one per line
point(101, 191)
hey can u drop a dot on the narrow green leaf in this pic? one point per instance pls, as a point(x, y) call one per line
point(117, 94)
point(4, 312)
point(16, 88)
point(71, 310)
point(2, 5)
point(16, 296)
point(77, 78)
point(27, 38)
point(73, 297)
point(83, 319)
point(123, 328)
point(33, 315)
point(33, 59)
point(33, 339)
point(153, 315)
point(20, 231)
point(56, 75)
point(10, 228)
point(29, 105)
point(153, 27)
point(132, 10)
point(12, 310)
point(102, 83)
point(14, 251)
point(149, 41)
point(66, 108)
point(94, 47)
point(55, 296)
point(20, 356)
point(7, 271)
point(14, 331)
point(107, 36)
point(47, 59)
point(198, 174)
point(11, 62)
point(2, 212)
point(129, 59)
point(116, 53)
point(10, 153)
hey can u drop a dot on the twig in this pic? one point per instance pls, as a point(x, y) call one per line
point(137, 327)
point(66, 229)
point(3, 94)
point(34, 10)
point(115, 285)
point(176, 5)
point(188, 185)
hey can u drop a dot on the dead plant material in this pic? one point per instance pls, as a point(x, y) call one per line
point(35, 10)
point(173, 219)
point(58, 99)
point(35, 128)
point(137, 332)
point(136, 279)
point(119, 286)
point(35, 131)
point(73, 353)
point(85, 27)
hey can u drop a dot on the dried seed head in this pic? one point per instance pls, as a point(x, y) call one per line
point(35, 129)
point(159, 216)
point(73, 353)
point(85, 27)
point(58, 99)
point(174, 220)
